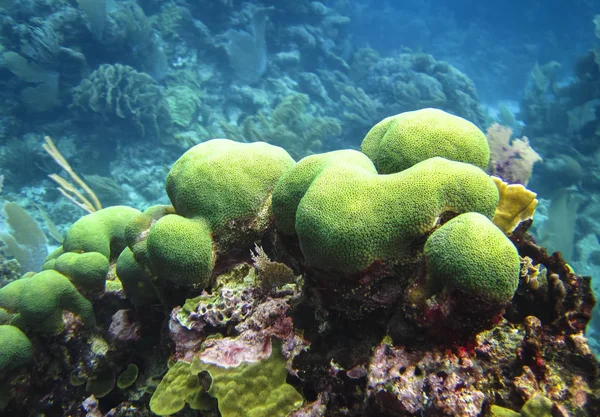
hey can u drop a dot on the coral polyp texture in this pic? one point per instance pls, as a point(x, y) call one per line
point(231, 181)
point(38, 302)
point(397, 281)
point(398, 142)
point(17, 350)
point(101, 231)
point(180, 250)
point(471, 255)
point(221, 193)
point(350, 216)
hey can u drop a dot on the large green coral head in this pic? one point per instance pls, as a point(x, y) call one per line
point(223, 181)
point(181, 250)
point(470, 254)
point(87, 271)
point(294, 183)
point(401, 141)
point(102, 231)
point(349, 216)
point(221, 195)
point(38, 302)
point(15, 349)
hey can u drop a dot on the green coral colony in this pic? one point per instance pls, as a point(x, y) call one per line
point(350, 211)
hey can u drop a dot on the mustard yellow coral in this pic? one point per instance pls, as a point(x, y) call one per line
point(516, 205)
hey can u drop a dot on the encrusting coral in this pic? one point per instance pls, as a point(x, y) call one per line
point(366, 261)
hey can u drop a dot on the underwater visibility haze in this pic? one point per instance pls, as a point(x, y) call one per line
point(299, 208)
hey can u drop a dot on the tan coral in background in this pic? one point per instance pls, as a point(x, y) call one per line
point(510, 160)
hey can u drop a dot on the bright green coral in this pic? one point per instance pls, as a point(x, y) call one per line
point(136, 231)
point(349, 216)
point(168, 247)
point(87, 271)
point(497, 411)
point(101, 231)
point(39, 301)
point(399, 142)
point(295, 182)
point(225, 182)
point(15, 348)
point(248, 390)
point(536, 406)
point(181, 250)
point(128, 376)
point(221, 195)
point(137, 282)
point(470, 254)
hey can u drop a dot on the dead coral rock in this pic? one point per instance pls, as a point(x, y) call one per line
point(123, 327)
point(526, 383)
point(395, 379)
point(565, 301)
point(506, 365)
point(316, 408)
point(455, 395)
point(421, 382)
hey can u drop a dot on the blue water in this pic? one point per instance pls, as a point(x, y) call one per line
point(494, 43)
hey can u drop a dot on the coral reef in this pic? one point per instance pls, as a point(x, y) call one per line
point(400, 279)
point(104, 77)
point(319, 287)
point(399, 142)
point(289, 125)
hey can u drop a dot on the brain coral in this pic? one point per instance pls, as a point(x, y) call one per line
point(16, 348)
point(221, 194)
point(347, 216)
point(101, 231)
point(398, 142)
point(39, 301)
point(87, 271)
point(470, 254)
point(231, 181)
point(295, 182)
point(181, 250)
